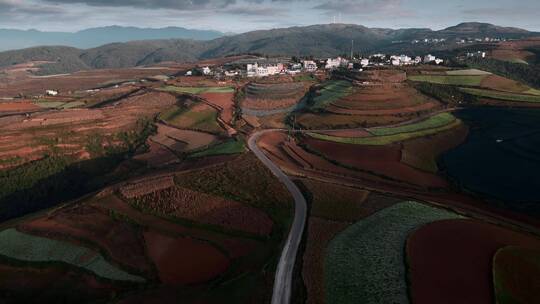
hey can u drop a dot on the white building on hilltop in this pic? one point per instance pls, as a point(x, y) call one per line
point(429, 58)
point(51, 92)
point(206, 70)
point(310, 66)
point(364, 62)
point(334, 63)
point(256, 70)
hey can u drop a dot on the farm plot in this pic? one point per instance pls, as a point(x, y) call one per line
point(378, 160)
point(182, 140)
point(178, 202)
point(516, 275)
point(450, 261)
point(330, 91)
point(183, 260)
point(461, 80)
point(233, 146)
point(273, 96)
point(197, 90)
point(334, 202)
point(326, 120)
point(224, 101)
point(18, 106)
point(381, 97)
point(469, 72)
point(28, 248)
point(387, 139)
point(422, 152)
point(199, 116)
point(365, 262)
point(91, 225)
point(432, 122)
point(501, 95)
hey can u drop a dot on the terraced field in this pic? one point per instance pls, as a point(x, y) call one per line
point(330, 91)
point(461, 80)
point(198, 116)
point(365, 263)
point(233, 146)
point(197, 90)
point(384, 136)
point(503, 95)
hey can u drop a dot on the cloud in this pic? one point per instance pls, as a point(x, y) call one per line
point(154, 4)
point(365, 7)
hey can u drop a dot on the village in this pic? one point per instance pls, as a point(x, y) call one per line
point(263, 67)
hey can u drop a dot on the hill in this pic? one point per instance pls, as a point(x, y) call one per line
point(94, 37)
point(317, 40)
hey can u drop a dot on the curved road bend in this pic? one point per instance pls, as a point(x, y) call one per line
point(284, 272)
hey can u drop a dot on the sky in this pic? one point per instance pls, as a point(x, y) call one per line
point(238, 16)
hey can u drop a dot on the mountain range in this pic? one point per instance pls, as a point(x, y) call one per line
point(94, 37)
point(317, 40)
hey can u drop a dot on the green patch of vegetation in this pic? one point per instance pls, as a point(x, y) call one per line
point(50, 104)
point(366, 264)
point(464, 80)
point(29, 248)
point(197, 90)
point(305, 77)
point(469, 72)
point(432, 122)
point(384, 140)
point(331, 91)
point(447, 94)
point(74, 104)
point(501, 95)
point(233, 146)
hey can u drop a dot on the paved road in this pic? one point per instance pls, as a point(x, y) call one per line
point(284, 272)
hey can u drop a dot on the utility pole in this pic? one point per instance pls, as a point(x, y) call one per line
point(352, 48)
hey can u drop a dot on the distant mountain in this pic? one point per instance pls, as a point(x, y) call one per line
point(316, 40)
point(17, 39)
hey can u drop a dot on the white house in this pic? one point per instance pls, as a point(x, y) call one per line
point(51, 92)
point(310, 66)
point(429, 58)
point(189, 73)
point(364, 62)
point(333, 63)
point(206, 70)
point(438, 61)
point(256, 70)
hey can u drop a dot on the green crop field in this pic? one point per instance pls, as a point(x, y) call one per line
point(29, 248)
point(74, 104)
point(432, 122)
point(197, 90)
point(469, 72)
point(366, 264)
point(466, 80)
point(331, 91)
point(229, 147)
point(502, 95)
point(50, 104)
point(384, 140)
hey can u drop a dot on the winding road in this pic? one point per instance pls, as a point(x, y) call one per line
point(284, 272)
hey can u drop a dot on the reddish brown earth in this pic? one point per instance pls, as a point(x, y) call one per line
point(84, 223)
point(224, 101)
point(207, 209)
point(451, 261)
point(235, 247)
point(499, 83)
point(380, 160)
point(349, 133)
point(184, 260)
point(18, 106)
point(420, 108)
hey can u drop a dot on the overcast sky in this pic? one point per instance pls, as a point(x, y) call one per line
point(246, 15)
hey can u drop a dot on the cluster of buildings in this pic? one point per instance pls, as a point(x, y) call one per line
point(429, 41)
point(478, 54)
point(477, 40)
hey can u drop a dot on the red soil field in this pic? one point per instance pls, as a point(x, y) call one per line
point(86, 223)
point(384, 160)
point(18, 106)
point(224, 101)
point(157, 156)
point(499, 83)
point(204, 208)
point(450, 261)
point(146, 186)
point(184, 260)
point(235, 247)
point(319, 233)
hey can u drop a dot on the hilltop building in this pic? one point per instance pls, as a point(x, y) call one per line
point(310, 66)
